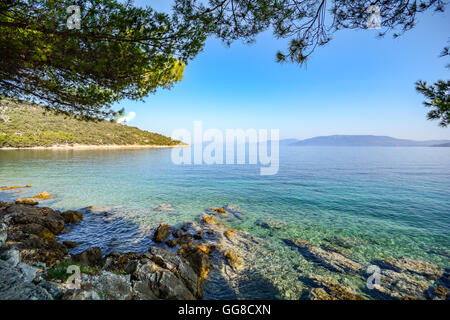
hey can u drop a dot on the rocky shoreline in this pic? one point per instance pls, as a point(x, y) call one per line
point(184, 262)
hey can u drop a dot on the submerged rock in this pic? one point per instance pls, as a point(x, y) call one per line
point(43, 195)
point(271, 224)
point(329, 289)
point(164, 207)
point(419, 267)
point(394, 285)
point(330, 260)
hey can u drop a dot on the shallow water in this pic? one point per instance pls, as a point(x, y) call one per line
point(395, 201)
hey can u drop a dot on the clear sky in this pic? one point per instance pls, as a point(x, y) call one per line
point(356, 84)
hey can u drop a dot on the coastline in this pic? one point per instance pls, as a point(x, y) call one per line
point(98, 147)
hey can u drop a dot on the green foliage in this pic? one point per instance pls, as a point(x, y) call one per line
point(438, 99)
point(31, 125)
point(59, 271)
point(120, 52)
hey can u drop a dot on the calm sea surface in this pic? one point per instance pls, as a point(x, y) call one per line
point(395, 200)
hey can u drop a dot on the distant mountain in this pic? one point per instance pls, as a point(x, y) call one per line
point(442, 145)
point(362, 141)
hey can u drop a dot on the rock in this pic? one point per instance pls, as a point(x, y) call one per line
point(11, 256)
point(29, 273)
point(43, 195)
point(113, 286)
point(164, 207)
point(13, 285)
point(3, 234)
point(199, 235)
point(172, 261)
point(27, 201)
point(271, 224)
point(171, 243)
point(419, 267)
point(81, 295)
point(346, 242)
point(208, 219)
point(178, 233)
point(162, 232)
point(46, 217)
point(329, 289)
point(233, 259)
point(92, 257)
point(70, 244)
point(71, 216)
point(330, 260)
point(155, 282)
point(440, 293)
point(394, 285)
point(218, 210)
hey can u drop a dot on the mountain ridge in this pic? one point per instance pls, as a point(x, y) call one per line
point(362, 140)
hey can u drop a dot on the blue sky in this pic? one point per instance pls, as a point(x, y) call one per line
point(356, 84)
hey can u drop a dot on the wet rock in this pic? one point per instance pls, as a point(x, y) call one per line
point(271, 224)
point(162, 232)
point(71, 216)
point(27, 201)
point(171, 243)
point(346, 242)
point(423, 268)
point(43, 195)
point(235, 210)
point(330, 260)
point(234, 260)
point(46, 217)
point(178, 233)
point(164, 207)
point(343, 252)
point(70, 244)
point(199, 235)
point(394, 285)
point(92, 257)
point(329, 289)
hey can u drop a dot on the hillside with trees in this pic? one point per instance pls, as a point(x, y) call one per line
point(22, 124)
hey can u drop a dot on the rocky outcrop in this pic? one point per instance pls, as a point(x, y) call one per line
point(18, 280)
point(331, 260)
point(31, 231)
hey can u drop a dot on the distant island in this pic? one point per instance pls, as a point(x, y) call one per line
point(24, 125)
point(442, 145)
point(364, 141)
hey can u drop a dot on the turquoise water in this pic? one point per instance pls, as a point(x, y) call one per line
point(395, 200)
